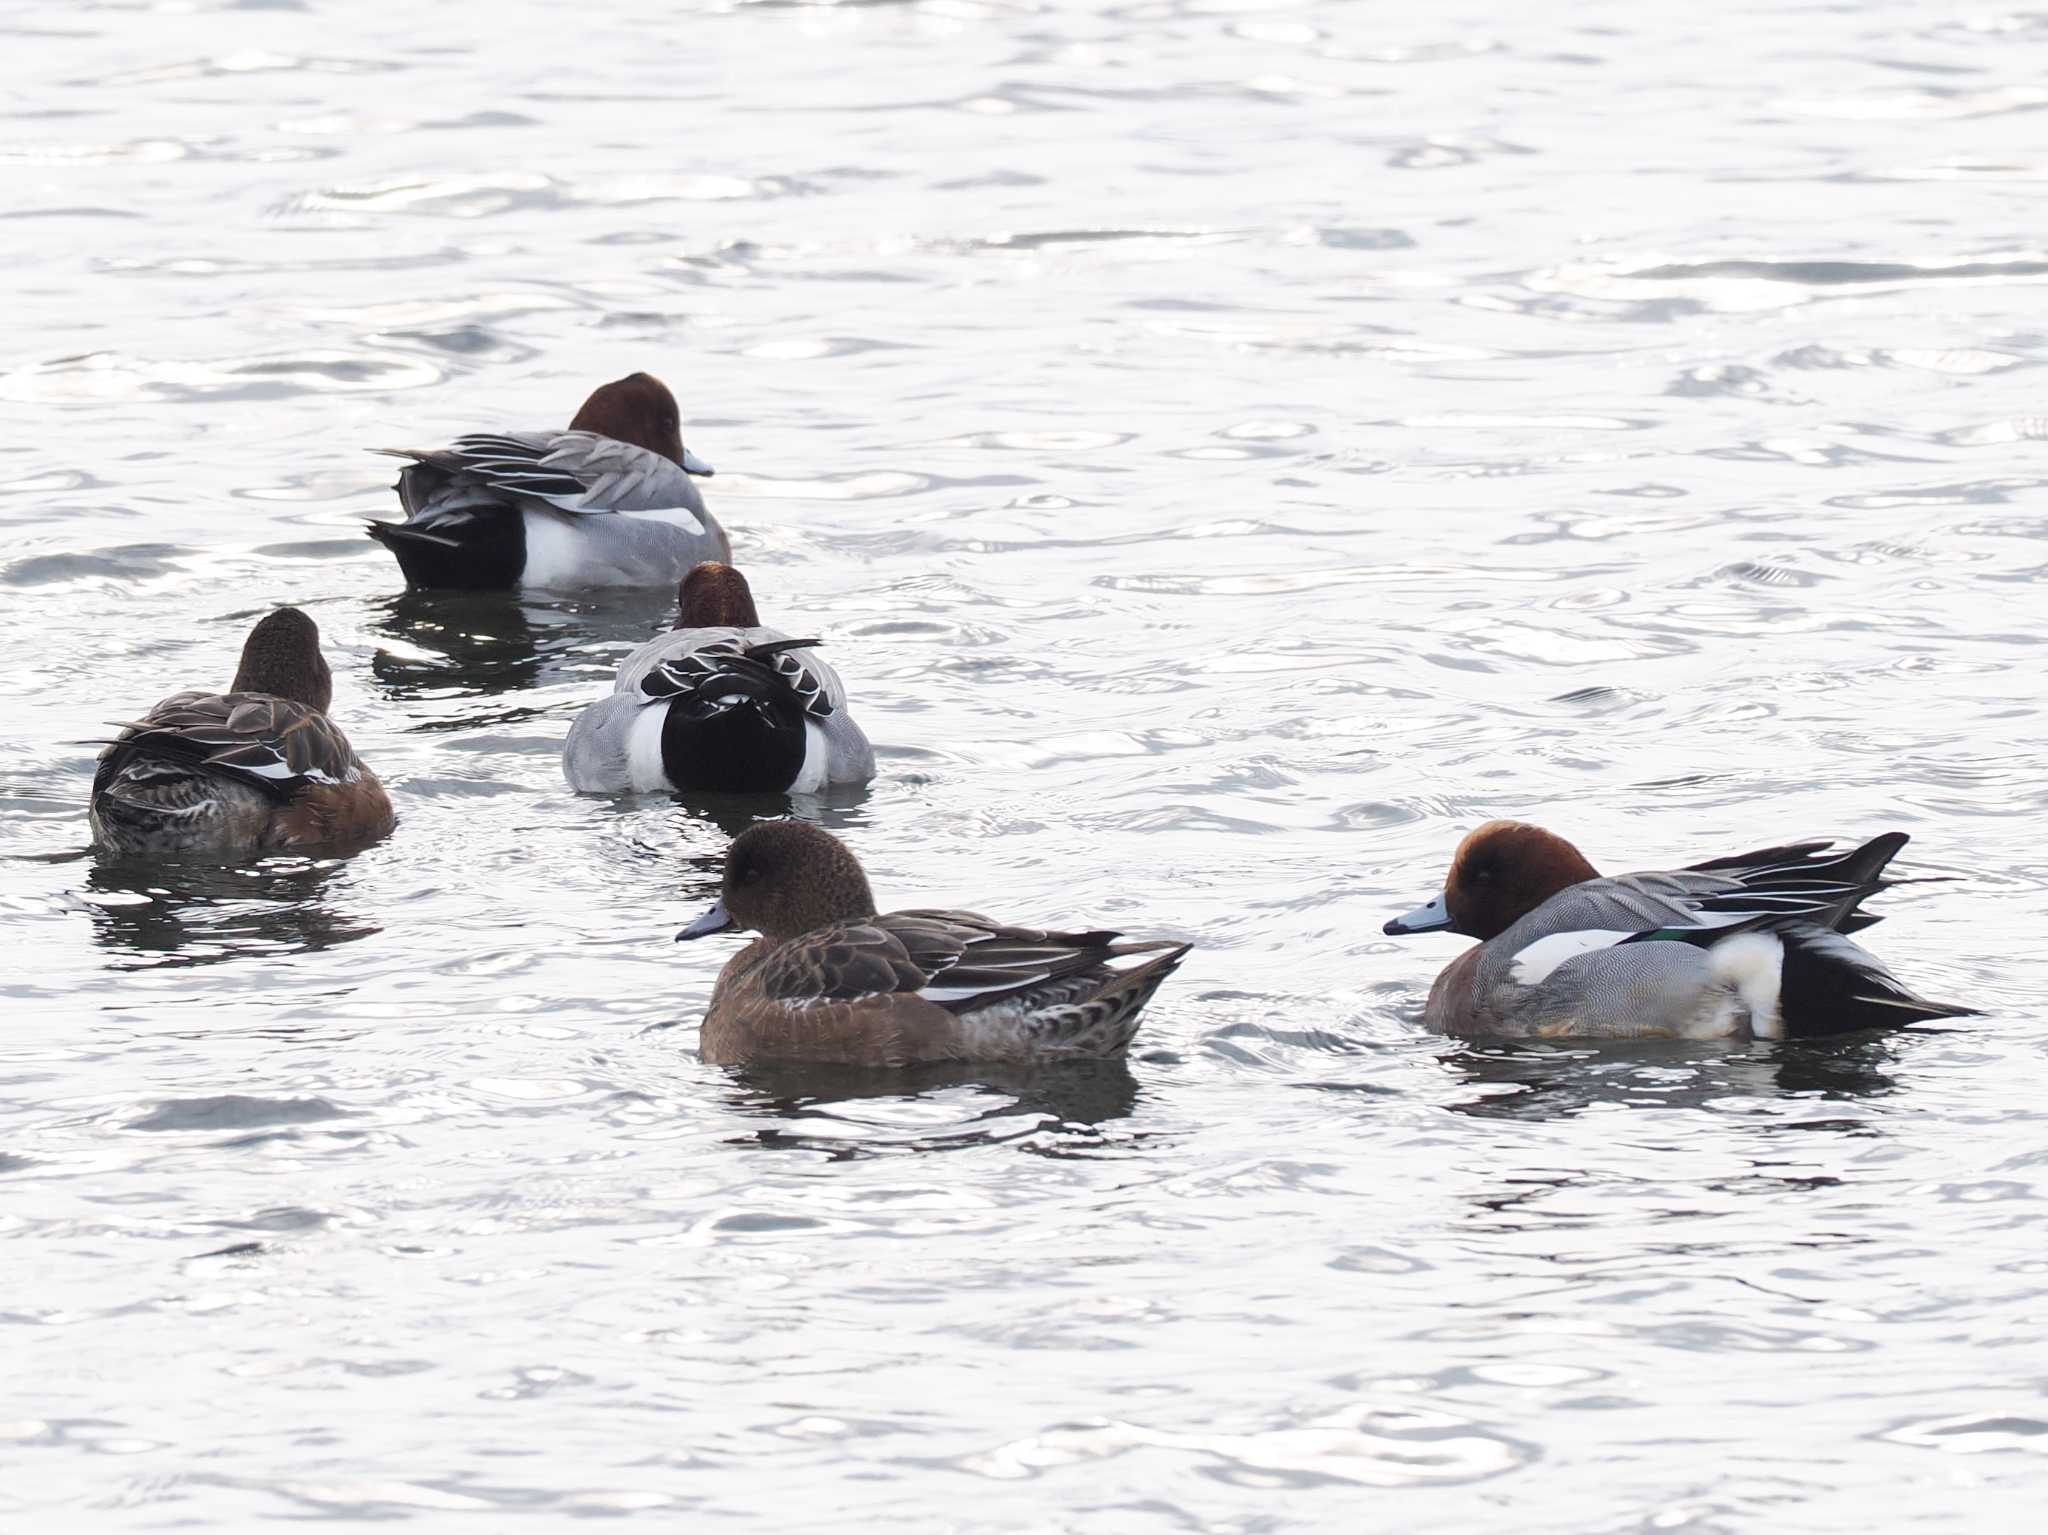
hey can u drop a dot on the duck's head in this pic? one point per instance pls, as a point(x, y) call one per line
point(639, 409)
point(715, 596)
point(282, 657)
point(1502, 872)
point(784, 879)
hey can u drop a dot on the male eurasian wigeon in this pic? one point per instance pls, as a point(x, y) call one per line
point(830, 982)
point(259, 768)
point(609, 502)
point(1749, 946)
point(719, 703)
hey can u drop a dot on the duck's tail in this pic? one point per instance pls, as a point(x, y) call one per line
point(736, 722)
point(144, 801)
point(1801, 979)
point(1105, 1021)
point(455, 536)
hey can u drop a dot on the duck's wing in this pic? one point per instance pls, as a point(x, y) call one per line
point(842, 963)
point(581, 473)
point(272, 744)
point(715, 667)
point(1701, 905)
point(1800, 879)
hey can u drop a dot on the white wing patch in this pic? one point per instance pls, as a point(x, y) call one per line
point(1533, 964)
point(670, 516)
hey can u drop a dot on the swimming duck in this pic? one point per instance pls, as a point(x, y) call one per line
point(1746, 946)
point(259, 768)
point(609, 502)
point(830, 981)
point(720, 703)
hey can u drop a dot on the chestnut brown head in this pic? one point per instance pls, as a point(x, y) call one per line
point(1503, 871)
point(639, 409)
point(715, 596)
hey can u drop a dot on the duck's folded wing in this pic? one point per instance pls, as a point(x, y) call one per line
point(733, 665)
point(272, 744)
point(577, 472)
point(1804, 879)
point(839, 964)
point(808, 673)
point(970, 962)
point(954, 959)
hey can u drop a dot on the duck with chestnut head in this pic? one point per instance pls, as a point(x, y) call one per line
point(611, 501)
point(721, 703)
point(1749, 946)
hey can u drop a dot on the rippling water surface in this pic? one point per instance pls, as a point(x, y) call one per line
point(1230, 449)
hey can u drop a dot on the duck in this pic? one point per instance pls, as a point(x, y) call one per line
point(612, 501)
point(830, 981)
point(719, 704)
point(257, 769)
point(1748, 946)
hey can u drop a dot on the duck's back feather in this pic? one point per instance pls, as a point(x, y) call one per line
point(218, 771)
point(590, 509)
point(912, 986)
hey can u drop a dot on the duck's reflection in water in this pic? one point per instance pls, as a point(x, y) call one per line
point(837, 809)
point(482, 644)
point(169, 913)
point(1053, 1108)
point(1540, 1081)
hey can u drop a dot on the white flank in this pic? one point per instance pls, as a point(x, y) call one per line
point(644, 771)
point(554, 554)
point(1533, 964)
point(810, 778)
point(1752, 965)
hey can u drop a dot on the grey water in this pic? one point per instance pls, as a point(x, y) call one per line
point(1230, 448)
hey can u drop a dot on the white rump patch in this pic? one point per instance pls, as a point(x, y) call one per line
point(555, 555)
point(1533, 964)
point(645, 773)
point(1752, 965)
point(810, 778)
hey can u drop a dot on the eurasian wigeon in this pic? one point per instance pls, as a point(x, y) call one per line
point(1749, 946)
point(609, 502)
point(259, 768)
point(830, 982)
point(719, 703)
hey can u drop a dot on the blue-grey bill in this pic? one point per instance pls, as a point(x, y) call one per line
point(692, 464)
point(716, 920)
point(1433, 918)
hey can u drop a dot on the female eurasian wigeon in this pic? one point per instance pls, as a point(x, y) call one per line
point(259, 768)
point(1748, 946)
point(609, 502)
point(830, 982)
point(719, 703)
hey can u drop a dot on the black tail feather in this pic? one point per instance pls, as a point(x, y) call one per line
point(470, 553)
point(1830, 986)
